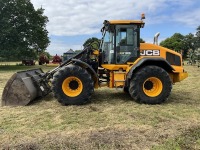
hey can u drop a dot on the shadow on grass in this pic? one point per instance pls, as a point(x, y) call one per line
point(110, 96)
point(47, 98)
point(182, 98)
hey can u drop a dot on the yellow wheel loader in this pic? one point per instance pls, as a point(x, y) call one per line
point(145, 71)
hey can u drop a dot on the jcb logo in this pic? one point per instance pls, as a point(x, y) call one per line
point(150, 53)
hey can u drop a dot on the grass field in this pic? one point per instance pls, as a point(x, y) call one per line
point(111, 121)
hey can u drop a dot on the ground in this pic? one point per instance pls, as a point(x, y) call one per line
point(111, 121)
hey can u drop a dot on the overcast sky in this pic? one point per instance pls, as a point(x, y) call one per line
point(71, 22)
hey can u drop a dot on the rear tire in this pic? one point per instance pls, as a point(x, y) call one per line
point(72, 85)
point(150, 85)
point(126, 90)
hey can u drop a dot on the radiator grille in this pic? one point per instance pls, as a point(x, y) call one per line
point(173, 59)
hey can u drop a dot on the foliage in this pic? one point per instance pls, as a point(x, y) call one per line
point(22, 29)
point(142, 41)
point(46, 54)
point(93, 41)
point(175, 42)
point(197, 38)
point(78, 51)
point(188, 43)
point(181, 43)
point(194, 56)
point(191, 57)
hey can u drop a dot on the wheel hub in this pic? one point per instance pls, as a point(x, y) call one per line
point(148, 85)
point(72, 86)
point(152, 87)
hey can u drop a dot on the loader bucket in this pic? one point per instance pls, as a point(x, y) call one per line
point(22, 88)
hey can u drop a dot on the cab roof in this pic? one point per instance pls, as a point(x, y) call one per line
point(124, 22)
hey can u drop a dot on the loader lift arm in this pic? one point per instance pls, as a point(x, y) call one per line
point(83, 56)
point(25, 86)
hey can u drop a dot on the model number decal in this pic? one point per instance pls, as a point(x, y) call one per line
point(150, 53)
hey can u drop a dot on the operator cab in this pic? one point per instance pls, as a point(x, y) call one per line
point(121, 41)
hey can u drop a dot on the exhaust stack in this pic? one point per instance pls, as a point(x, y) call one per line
point(156, 38)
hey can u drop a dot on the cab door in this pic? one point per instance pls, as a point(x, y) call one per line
point(127, 43)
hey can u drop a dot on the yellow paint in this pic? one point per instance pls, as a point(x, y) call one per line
point(111, 84)
point(96, 52)
point(132, 64)
point(126, 22)
point(156, 89)
point(177, 69)
point(96, 85)
point(178, 72)
point(119, 78)
point(114, 66)
point(146, 46)
point(163, 50)
point(68, 90)
point(177, 77)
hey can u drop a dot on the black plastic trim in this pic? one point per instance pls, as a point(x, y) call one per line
point(173, 59)
point(151, 61)
point(88, 67)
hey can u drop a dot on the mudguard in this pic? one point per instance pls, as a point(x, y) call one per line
point(160, 62)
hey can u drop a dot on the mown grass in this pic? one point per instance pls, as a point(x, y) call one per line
point(111, 121)
point(189, 140)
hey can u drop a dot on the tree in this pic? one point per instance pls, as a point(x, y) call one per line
point(175, 42)
point(78, 51)
point(179, 43)
point(22, 29)
point(188, 43)
point(142, 41)
point(197, 38)
point(94, 41)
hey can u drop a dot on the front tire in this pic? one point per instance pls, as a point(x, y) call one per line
point(72, 85)
point(150, 85)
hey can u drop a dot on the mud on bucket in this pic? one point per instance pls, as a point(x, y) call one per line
point(22, 88)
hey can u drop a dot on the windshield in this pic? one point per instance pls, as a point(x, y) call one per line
point(108, 47)
point(120, 44)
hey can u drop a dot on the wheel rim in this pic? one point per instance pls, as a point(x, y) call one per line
point(72, 86)
point(152, 87)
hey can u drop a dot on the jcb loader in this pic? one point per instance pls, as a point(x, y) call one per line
point(145, 71)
